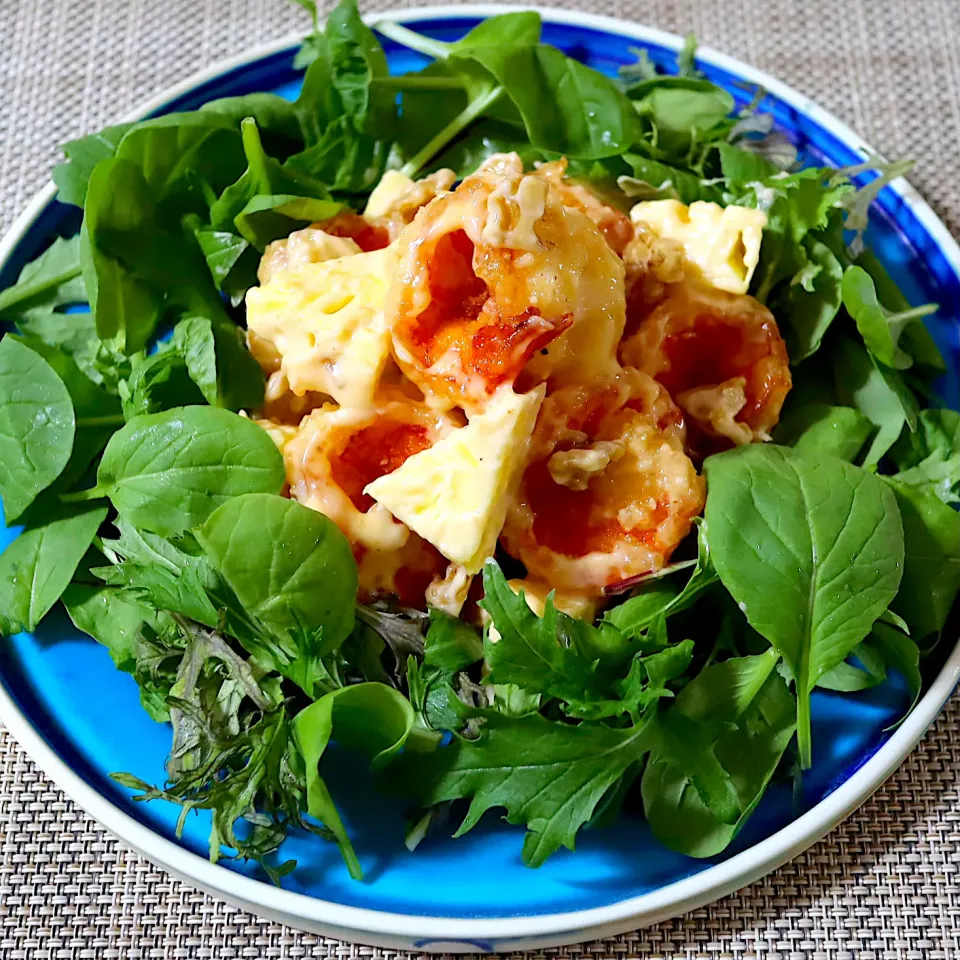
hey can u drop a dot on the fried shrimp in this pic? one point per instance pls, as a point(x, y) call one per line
point(608, 492)
point(722, 359)
point(395, 201)
point(335, 454)
point(614, 224)
point(494, 274)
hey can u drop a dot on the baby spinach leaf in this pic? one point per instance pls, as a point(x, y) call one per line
point(72, 175)
point(370, 717)
point(878, 392)
point(36, 568)
point(742, 167)
point(881, 331)
point(127, 628)
point(219, 363)
point(681, 109)
point(291, 569)
point(158, 382)
point(96, 412)
point(271, 217)
point(37, 426)
point(178, 153)
point(276, 118)
point(232, 261)
point(118, 204)
point(748, 696)
point(344, 159)
point(931, 568)
point(930, 457)
point(167, 472)
point(808, 307)
point(264, 177)
point(654, 180)
point(549, 776)
point(811, 548)
point(51, 280)
point(357, 61)
point(824, 429)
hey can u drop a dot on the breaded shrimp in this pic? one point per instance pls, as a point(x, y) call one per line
point(608, 493)
point(499, 278)
point(721, 358)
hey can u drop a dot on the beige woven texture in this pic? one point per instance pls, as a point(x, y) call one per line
point(886, 884)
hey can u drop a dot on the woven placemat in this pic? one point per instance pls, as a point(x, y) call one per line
point(886, 884)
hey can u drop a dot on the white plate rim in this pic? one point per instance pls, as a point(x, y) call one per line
point(510, 932)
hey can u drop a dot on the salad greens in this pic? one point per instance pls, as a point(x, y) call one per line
point(154, 510)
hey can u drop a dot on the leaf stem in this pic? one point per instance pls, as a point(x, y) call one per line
point(803, 729)
point(914, 313)
point(413, 82)
point(413, 40)
point(78, 496)
point(114, 419)
point(459, 122)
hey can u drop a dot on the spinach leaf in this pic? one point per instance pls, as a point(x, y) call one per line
point(293, 572)
point(219, 363)
point(346, 160)
point(118, 204)
point(271, 217)
point(276, 118)
point(681, 111)
point(931, 568)
point(182, 156)
point(881, 331)
point(750, 707)
point(877, 392)
point(96, 412)
point(811, 548)
point(129, 629)
point(37, 426)
point(232, 261)
point(549, 776)
point(36, 568)
point(930, 457)
point(807, 308)
point(73, 175)
point(264, 188)
point(370, 717)
point(158, 382)
point(51, 280)
point(824, 429)
point(653, 180)
point(167, 472)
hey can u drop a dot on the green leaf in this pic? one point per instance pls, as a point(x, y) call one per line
point(881, 331)
point(178, 153)
point(51, 280)
point(231, 260)
point(682, 111)
point(357, 61)
point(931, 569)
point(875, 391)
point(36, 568)
point(271, 217)
point(126, 307)
point(96, 412)
point(747, 693)
point(811, 548)
point(158, 382)
point(167, 472)
point(264, 177)
point(930, 457)
point(370, 717)
point(163, 574)
point(291, 569)
point(72, 175)
point(824, 429)
point(742, 166)
point(549, 776)
point(219, 363)
point(653, 180)
point(450, 644)
point(276, 117)
point(120, 623)
point(37, 426)
point(805, 312)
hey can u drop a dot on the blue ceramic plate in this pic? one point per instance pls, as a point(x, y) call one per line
point(81, 719)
